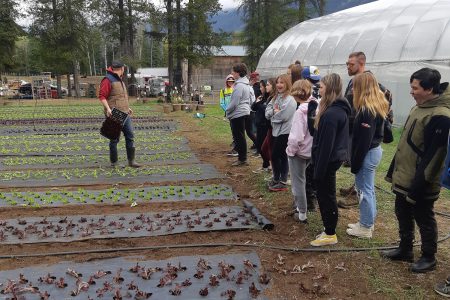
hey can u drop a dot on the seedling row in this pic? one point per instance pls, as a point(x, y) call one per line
point(77, 176)
point(86, 148)
point(117, 196)
point(92, 160)
point(62, 129)
point(64, 111)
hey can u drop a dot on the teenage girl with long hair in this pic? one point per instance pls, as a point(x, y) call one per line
point(299, 147)
point(259, 107)
point(281, 111)
point(371, 110)
point(266, 147)
point(329, 150)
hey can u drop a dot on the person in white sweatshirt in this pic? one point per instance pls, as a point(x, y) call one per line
point(299, 147)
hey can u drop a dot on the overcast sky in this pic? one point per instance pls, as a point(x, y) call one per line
point(226, 4)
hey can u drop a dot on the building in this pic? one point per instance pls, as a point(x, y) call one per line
point(214, 74)
point(397, 36)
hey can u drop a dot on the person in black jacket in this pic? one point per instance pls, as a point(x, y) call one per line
point(262, 124)
point(329, 150)
point(371, 109)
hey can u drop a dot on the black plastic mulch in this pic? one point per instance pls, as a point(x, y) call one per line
point(184, 277)
point(65, 229)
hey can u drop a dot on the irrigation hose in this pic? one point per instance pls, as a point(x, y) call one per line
point(212, 245)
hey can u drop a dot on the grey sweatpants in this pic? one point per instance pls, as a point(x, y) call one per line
point(297, 168)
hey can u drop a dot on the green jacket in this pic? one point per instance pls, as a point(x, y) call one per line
point(418, 162)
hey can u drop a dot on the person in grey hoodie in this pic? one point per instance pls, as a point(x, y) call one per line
point(239, 109)
point(280, 110)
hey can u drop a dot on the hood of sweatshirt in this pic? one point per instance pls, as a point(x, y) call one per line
point(343, 104)
point(303, 107)
point(242, 80)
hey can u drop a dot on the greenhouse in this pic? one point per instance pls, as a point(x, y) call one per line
point(397, 36)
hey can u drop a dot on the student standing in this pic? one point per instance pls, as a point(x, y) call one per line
point(299, 147)
point(259, 107)
point(329, 150)
point(238, 110)
point(371, 109)
point(225, 99)
point(281, 112)
point(417, 166)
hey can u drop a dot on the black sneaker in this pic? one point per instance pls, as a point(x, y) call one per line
point(424, 264)
point(239, 163)
point(398, 254)
point(443, 289)
point(279, 187)
point(233, 153)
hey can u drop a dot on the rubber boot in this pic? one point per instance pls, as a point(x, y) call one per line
point(130, 155)
point(113, 157)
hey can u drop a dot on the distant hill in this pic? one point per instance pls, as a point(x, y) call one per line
point(230, 20)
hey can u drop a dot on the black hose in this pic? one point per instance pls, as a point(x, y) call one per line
point(213, 245)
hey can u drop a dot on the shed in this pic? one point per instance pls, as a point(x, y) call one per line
point(397, 36)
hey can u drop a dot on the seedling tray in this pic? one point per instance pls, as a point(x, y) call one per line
point(65, 229)
point(94, 176)
point(118, 196)
point(175, 278)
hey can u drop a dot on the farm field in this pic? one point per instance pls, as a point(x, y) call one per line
point(186, 225)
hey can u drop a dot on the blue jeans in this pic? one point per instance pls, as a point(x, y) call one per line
point(365, 187)
point(127, 130)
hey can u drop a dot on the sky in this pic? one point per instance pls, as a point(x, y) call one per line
point(226, 4)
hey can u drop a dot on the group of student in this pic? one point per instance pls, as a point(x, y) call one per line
point(304, 128)
point(307, 126)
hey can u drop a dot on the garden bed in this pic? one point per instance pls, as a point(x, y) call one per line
point(232, 276)
point(117, 196)
point(87, 148)
point(95, 176)
point(66, 129)
point(65, 229)
point(93, 160)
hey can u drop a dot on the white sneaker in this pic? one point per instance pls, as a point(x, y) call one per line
point(302, 217)
point(288, 182)
point(353, 225)
point(360, 231)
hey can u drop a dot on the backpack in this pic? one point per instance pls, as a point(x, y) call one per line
point(388, 137)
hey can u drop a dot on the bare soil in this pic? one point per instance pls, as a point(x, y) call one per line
point(333, 275)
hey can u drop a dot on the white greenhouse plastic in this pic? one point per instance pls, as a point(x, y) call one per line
point(397, 36)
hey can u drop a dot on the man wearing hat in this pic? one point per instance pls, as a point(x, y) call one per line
point(113, 93)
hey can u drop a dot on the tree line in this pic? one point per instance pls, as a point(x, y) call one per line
point(73, 36)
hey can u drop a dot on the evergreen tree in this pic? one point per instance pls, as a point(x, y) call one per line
point(61, 27)
point(9, 33)
point(265, 20)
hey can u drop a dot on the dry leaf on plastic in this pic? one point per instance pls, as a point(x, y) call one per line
point(341, 267)
point(280, 260)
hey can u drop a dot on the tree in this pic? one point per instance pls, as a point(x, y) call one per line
point(61, 27)
point(118, 21)
point(9, 33)
point(265, 20)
